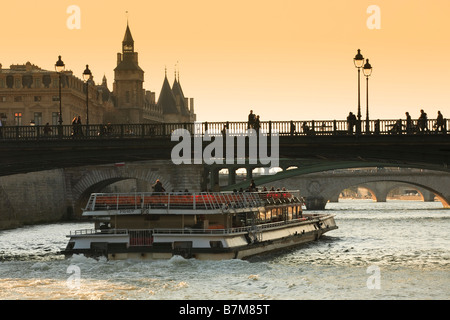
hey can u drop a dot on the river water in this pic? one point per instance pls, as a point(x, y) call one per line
point(392, 250)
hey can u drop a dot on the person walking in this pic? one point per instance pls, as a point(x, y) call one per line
point(422, 122)
point(409, 124)
point(257, 125)
point(251, 120)
point(440, 122)
point(351, 122)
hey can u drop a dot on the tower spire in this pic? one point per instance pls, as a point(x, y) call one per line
point(128, 42)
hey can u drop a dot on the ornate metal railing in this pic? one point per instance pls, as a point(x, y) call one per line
point(164, 130)
point(186, 200)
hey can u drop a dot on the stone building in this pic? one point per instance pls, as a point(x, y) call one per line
point(30, 95)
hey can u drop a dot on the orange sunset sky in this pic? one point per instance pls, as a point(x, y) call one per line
point(285, 59)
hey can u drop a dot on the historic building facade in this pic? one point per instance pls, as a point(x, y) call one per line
point(30, 95)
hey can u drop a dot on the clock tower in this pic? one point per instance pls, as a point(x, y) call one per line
point(128, 82)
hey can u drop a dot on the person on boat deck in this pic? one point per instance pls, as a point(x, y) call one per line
point(158, 187)
point(252, 186)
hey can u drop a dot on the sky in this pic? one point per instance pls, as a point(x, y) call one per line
point(284, 59)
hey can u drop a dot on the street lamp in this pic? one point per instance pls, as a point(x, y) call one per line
point(358, 60)
point(367, 70)
point(59, 67)
point(86, 76)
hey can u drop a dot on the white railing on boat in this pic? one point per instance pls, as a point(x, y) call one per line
point(188, 201)
point(258, 227)
point(97, 231)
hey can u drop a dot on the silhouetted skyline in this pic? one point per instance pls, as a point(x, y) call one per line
point(285, 60)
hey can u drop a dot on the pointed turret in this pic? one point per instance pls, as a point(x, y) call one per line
point(167, 101)
point(128, 59)
point(128, 42)
point(179, 97)
point(104, 81)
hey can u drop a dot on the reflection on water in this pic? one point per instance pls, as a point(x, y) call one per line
point(408, 241)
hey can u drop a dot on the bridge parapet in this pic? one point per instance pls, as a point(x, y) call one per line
point(158, 130)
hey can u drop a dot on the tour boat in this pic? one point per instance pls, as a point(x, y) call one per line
point(224, 225)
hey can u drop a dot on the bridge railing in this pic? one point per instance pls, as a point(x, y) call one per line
point(164, 130)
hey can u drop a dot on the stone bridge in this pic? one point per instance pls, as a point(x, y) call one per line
point(54, 195)
point(81, 182)
point(320, 187)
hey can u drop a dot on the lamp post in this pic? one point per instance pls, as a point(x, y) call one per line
point(60, 67)
point(367, 70)
point(358, 60)
point(86, 76)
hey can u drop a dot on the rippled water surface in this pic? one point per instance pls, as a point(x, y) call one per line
point(392, 250)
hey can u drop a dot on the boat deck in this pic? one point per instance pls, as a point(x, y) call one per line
point(197, 201)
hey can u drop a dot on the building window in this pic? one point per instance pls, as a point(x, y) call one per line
point(3, 99)
point(17, 118)
point(18, 99)
point(37, 98)
point(55, 98)
point(55, 83)
point(2, 83)
point(38, 118)
point(55, 118)
point(9, 81)
point(127, 97)
point(17, 83)
point(37, 83)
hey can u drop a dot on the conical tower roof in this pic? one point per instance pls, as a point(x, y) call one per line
point(178, 91)
point(166, 99)
point(129, 57)
point(128, 38)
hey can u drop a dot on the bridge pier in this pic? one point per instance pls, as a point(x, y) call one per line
point(231, 176)
point(315, 203)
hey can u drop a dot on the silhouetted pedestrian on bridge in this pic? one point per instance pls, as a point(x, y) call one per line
point(251, 120)
point(47, 129)
point(351, 122)
point(396, 128)
point(257, 124)
point(440, 122)
point(422, 122)
point(409, 124)
point(292, 128)
point(306, 129)
point(76, 126)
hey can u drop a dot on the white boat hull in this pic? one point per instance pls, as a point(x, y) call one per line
point(214, 245)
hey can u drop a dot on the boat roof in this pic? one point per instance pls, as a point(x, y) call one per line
point(109, 204)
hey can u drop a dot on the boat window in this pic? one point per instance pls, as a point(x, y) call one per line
point(216, 244)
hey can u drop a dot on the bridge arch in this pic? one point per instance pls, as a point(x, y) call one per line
point(381, 189)
point(318, 184)
point(97, 179)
